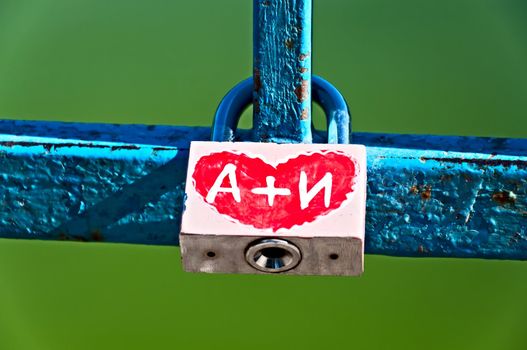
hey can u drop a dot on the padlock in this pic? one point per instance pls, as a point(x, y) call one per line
point(275, 208)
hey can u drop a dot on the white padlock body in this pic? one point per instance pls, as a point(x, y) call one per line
point(310, 195)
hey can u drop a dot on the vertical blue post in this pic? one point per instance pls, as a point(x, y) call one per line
point(282, 71)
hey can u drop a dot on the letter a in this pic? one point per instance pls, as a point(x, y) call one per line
point(230, 171)
point(306, 196)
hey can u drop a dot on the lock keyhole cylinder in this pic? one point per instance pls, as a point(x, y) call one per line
point(273, 255)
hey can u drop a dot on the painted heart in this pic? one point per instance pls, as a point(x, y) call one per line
point(298, 191)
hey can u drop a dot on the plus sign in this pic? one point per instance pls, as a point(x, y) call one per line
point(271, 191)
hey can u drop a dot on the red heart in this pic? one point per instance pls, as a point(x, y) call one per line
point(254, 209)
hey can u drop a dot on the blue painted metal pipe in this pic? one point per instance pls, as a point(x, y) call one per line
point(111, 183)
point(282, 71)
point(427, 195)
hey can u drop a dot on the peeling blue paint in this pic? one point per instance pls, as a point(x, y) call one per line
point(282, 70)
point(108, 187)
point(90, 191)
point(436, 203)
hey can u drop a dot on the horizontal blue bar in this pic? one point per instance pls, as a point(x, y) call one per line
point(181, 136)
point(427, 195)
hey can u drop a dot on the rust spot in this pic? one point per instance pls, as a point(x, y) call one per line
point(303, 56)
point(257, 80)
point(446, 178)
point(97, 236)
point(467, 177)
point(289, 43)
point(426, 194)
point(302, 70)
point(504, 197)
point(421, 249)
point(305, 114)
point(302, 90)
point(424, 191)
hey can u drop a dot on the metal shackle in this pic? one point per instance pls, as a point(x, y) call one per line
point(326, 95)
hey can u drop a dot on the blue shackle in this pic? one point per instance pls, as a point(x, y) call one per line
point(326, 95)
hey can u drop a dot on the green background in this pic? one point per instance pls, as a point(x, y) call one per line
point(407, 66)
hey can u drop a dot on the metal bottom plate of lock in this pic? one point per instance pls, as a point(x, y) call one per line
point(233, 254)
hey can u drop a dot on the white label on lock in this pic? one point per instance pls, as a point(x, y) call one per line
point(287, 190)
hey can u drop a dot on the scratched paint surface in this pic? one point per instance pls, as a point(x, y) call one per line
point(71, 190)
point(282, 70)
point(434, 203)
point(420, 203)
